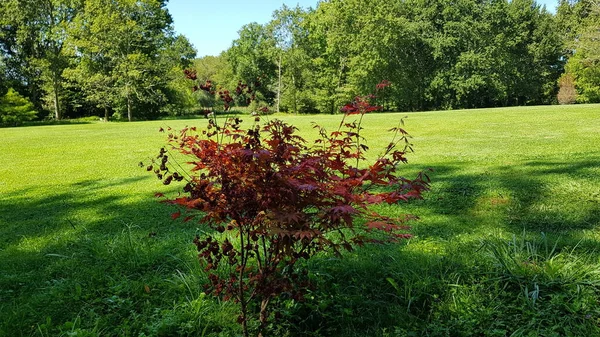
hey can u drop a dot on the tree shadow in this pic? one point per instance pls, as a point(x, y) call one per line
point(540, 205)
point(27, 217)
point(532, 197)
point(87, 252)
point(446, 209)
point(381, 288)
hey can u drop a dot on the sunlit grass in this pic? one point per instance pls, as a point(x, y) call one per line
point(85, 245)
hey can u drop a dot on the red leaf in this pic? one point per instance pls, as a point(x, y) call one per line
point(176, 215)
point(381, 225)
point(304, 235)
point(343, 209)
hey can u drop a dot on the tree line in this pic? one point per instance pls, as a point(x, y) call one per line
point(438, 54)
point(122, 58)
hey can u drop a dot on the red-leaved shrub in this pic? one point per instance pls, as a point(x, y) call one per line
point(273, 198)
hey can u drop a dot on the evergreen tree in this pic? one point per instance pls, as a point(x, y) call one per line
point(15, 109)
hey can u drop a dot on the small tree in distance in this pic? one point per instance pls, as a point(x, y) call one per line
point(273, 199)
point(15, 109)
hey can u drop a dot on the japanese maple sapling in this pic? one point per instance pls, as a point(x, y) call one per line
point(273, 198)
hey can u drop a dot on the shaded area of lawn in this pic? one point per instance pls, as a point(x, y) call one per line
point(550, 197)
point(84, 257)
point(85, 254)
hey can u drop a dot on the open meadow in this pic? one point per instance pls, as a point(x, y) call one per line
point(508, 241)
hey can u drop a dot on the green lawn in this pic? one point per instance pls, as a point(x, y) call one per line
point(507, 244)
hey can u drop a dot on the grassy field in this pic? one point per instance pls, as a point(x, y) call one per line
point(507, 245)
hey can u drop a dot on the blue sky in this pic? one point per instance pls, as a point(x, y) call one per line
point(211, 25)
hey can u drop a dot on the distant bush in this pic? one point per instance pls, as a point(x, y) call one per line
point(567, 94)
point(15, 109)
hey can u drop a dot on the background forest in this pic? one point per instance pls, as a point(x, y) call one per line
point(123, 60)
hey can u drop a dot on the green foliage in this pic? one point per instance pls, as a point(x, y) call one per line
point(250, 59)
point(79, 58)
point(124, 56)
point(581, 24)
point(15, 109)
point(35, 46)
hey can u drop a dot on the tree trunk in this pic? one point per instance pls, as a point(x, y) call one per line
point(295, 94)
point(57, 113)
point(106, 114)
point(128, 105)
point(279, 84)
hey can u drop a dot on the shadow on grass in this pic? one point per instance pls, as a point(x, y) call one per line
point(91, 255)
point(568, 197)
point(582, 168)
point(548, 197)
point(369, 290)
point(27, 217)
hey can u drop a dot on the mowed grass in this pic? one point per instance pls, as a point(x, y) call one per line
point(506, 245)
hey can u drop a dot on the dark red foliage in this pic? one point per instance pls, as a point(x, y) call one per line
point(190, 74)
point(243, 92)
point(383, 84)
point(360, 105)
point(207, 86)
point(279, 198)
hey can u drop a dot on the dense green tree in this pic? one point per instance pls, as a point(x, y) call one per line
point(214, 68)
point(388, 43)
point(119, 46)
point(437, 54)
point(329, 57)
point(15, 109)
point(251, 59)
point(123, 56)
point(177, 56)
point(581, 25)
point(35, 33)
point(3, 77)
point(290, 36)
point(492, 53)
